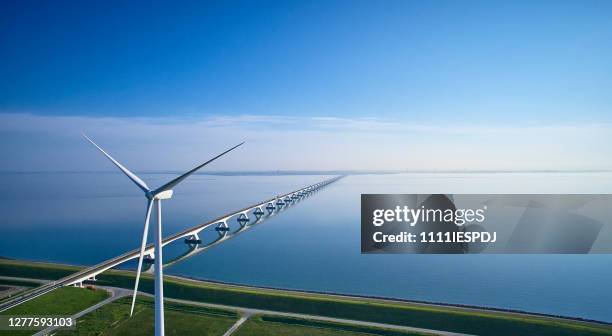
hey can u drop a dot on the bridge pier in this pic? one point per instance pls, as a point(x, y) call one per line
point(270, 207)
point(243, 219)
point(258, 212)
point(194, 239)
point(149, 258)
point(222, 228)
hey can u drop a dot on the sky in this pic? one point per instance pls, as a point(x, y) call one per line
point(313, 85)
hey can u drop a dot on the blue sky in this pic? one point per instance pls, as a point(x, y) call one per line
point(426, 68)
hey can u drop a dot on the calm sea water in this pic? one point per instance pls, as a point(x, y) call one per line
point(84, 218)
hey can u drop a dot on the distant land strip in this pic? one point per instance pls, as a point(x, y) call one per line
point(325, 172)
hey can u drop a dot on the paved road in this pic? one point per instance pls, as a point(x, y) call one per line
point(237, 325)
point(246, 313)
point(17, 290)
point(116, 293)
point(250, 311)
point(41, 281)
point(6, 291)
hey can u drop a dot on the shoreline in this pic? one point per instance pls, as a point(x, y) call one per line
point(397, 300)
point(367, 309)
point(353, 296)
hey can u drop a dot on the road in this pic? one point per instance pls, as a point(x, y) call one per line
point(116, 293)
point(237, 325)
point(40, 281)
point(247, 312)
point(18, 290)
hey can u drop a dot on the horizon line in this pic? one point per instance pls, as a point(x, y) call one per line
point(317, 171)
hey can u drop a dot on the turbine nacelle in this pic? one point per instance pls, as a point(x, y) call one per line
point(162, 195)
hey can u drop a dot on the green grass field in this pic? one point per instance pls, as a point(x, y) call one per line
point(113, 319)
point(271, 326)
point(479, 322)
point(62, 301)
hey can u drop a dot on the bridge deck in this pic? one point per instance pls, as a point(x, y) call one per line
point(92, 271)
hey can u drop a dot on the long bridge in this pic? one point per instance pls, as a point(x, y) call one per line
point(258, 212)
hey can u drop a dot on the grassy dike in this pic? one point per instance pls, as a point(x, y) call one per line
point(274, 325)
point(478, 322)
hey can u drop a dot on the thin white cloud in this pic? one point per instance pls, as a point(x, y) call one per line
point(35, 142)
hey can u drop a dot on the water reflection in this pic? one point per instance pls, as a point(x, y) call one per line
point(195, 245)
point(86, 218)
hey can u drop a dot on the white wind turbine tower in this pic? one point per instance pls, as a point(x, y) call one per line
point(155, 196)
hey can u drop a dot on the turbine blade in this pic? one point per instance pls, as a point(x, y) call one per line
point(140, 183)
point(143, 244)
point(178, 180)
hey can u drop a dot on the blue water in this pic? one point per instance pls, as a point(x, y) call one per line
point(84, 218)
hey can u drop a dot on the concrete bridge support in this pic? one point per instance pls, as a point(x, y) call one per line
point(258, 212)
point(222, 228)
point(243, 219)
point(194, 239)
point(270, 207)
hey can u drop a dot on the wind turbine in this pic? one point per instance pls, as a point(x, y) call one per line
point(155, 196)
